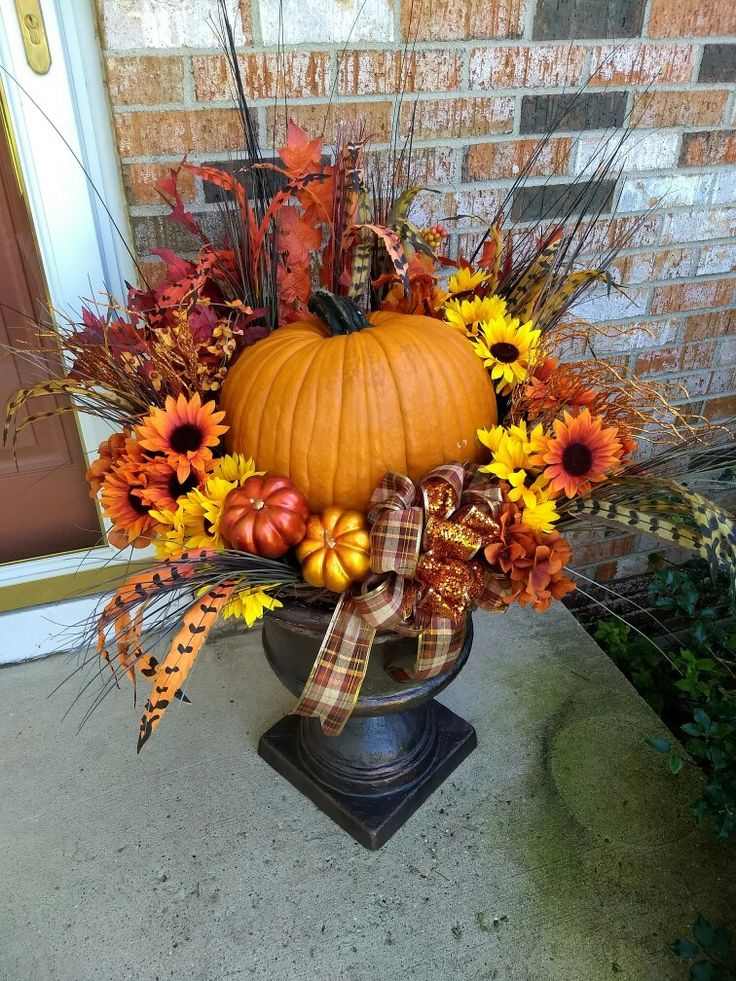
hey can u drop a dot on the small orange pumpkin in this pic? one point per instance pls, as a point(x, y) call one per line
point(335, 551)
point(265, 516)
point(334, 407)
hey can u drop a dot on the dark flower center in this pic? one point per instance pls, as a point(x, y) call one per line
point(505, 352)
point(176, 488)
point(136, 503)
point(577, 459)
point(186, 438)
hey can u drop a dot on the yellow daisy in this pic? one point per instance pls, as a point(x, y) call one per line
point(511, 448)
point(169, 540)
point(235, 466)
point(250, 604)
point(540, 511)
point(466, 315)
point(201, 513)
point(508, 349)
point(465, 280)
point(492, 438)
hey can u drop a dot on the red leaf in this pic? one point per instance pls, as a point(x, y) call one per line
point(300, 155)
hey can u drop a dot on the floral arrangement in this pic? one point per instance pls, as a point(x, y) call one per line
point(328, 407)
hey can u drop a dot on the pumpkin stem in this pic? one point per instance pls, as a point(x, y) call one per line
point(341, 314)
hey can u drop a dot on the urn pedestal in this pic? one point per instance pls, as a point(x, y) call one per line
point(397, 747)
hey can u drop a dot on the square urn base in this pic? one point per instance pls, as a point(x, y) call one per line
point(370, 819)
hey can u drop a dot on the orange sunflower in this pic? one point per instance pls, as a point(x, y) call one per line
point(163, 487)
point(581, 453)
point(184, 432)
point(123, 505)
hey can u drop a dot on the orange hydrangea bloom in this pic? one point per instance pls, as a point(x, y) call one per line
point(533, 561)
point(110, 450)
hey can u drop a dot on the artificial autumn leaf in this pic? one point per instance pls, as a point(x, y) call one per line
point(297, 237)
point(168, 187)
point(300, 155)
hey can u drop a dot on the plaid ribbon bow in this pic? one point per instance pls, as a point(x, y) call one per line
point(425, 579)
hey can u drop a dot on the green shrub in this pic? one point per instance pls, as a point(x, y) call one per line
point(691, 683)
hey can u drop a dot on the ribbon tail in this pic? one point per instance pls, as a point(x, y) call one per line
point(439, 647)
point(337, 674)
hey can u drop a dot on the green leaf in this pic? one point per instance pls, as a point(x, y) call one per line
point(703, 971)
point(685, 949)
point(660, 744)
point(702, 718)
point(704, 932)
point(675, 763)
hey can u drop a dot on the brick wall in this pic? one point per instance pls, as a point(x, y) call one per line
point(488, 76)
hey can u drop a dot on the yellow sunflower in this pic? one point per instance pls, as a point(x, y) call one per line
point(196, 521)
point(511, 450)
point(508, 348)
point(466, 315)
point(250, 604)
point(201, 511)
point(465, 280)
point(540, 511)
point(170, 535)
point(236, 467)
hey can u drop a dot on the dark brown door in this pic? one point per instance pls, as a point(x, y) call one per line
point(44, 503)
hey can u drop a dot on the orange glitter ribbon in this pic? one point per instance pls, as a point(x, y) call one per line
point(424, 544)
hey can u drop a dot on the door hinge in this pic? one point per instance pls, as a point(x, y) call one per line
point(33, 30)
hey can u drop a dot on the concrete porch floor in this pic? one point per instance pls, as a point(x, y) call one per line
point(560, 850)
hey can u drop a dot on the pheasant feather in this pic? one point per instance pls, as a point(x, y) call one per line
point(171, 674)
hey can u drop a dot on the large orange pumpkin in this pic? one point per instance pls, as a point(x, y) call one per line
point(337, 403)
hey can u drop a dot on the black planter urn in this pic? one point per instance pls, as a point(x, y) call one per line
point(397, 747)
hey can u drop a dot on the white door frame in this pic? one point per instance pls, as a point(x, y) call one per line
point(81, 253)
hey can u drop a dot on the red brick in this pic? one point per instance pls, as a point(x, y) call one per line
point(707, 325)
point(154, 272)
point(695, 356)
point(456, 20)
point(596, 550)
point(246, 17)
point(144, 79)
point(722, 380)
point(548, 65)
point(455, 118)
point(605, 572)
point(641, 63)
point(646, 266)
point(386, 72)
point(722, 408)
point(478, 203)
point(681, 18)
point(429, 165)
point(140, 183)
point(263, 75)
point(707, 149)
point(487, 161)
point(691, 296)
point(661, 109)
point(323, 119)
point(661, 361)
point(177, 132)
point(607, 232)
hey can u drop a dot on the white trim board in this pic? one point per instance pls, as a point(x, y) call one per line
point(81, 253)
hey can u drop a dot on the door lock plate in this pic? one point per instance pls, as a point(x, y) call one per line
point(33, 31)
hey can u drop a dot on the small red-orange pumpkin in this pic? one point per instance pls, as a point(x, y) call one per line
point(334, 407)
point(265, 516)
